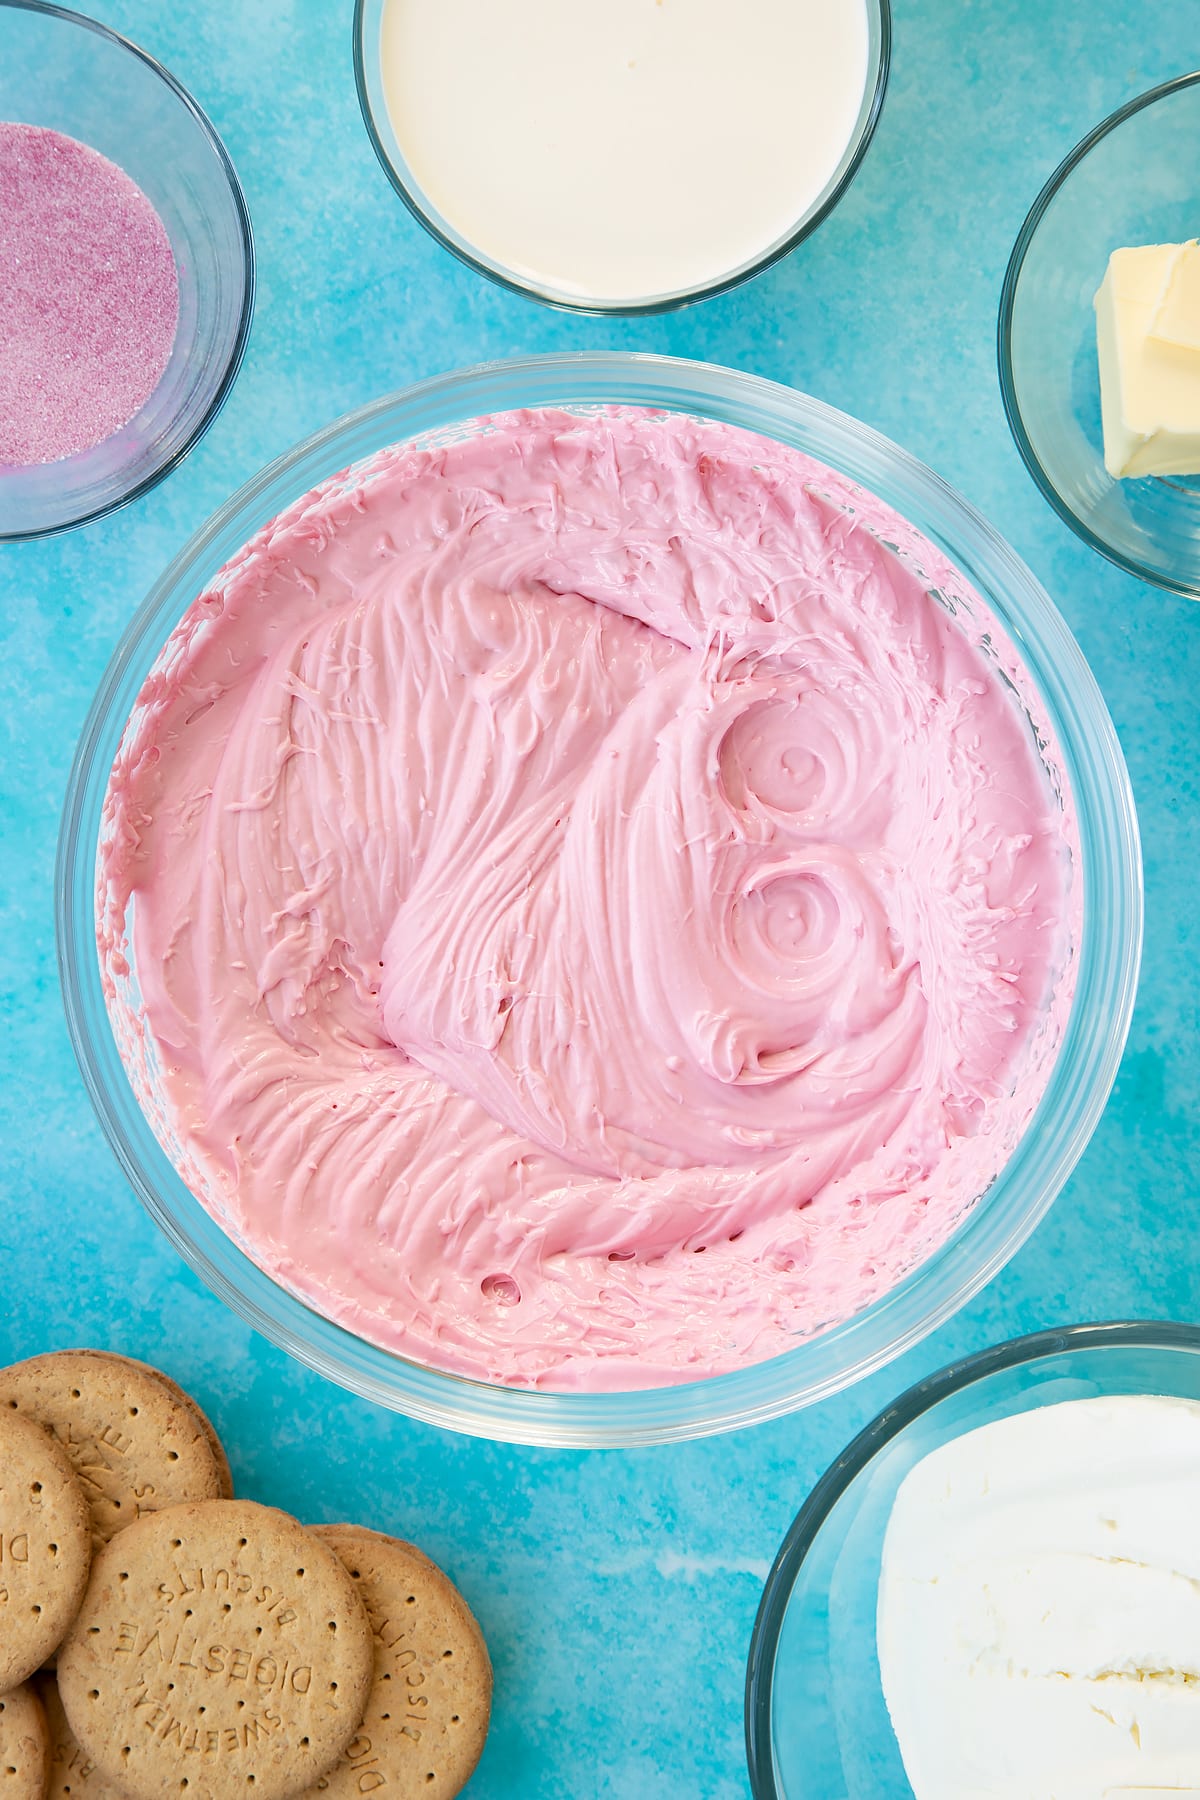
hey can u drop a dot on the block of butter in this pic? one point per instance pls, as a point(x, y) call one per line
point(1148, 338)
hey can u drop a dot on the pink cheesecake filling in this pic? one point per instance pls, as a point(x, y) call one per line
point(596, 919)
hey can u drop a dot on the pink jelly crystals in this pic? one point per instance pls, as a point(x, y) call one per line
point(89, 296)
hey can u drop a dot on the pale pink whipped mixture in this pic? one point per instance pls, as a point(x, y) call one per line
point(595, 914)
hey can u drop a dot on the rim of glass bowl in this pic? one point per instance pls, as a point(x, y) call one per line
point(1008, 293)
point(855, 1458)
point(1083, 1070)
point(880, 20)
point(221, 393)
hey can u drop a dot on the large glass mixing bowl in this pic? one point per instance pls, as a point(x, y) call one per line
point(1085, 767)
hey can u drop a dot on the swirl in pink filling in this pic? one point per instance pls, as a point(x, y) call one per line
point(596, 915)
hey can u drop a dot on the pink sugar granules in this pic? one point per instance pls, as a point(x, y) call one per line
point(89, 296)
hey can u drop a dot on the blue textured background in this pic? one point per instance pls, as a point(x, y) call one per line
point(617, 1591)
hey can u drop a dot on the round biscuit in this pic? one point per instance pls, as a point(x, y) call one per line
point(24, 1745)
point(181, 1394)
point(135, 1447)
point(72, 1773)
point(221, 1653)
point(430, 1702)
point(45, 1547)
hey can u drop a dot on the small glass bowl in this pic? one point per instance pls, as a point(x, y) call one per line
point(368, 75)
point(1131, 181)
point(69, 74)
point(1067, 713)
point(817, 1725)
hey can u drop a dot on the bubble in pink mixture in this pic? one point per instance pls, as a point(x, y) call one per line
point(89, 296)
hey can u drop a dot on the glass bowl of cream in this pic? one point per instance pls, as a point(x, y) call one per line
point(990, 1573)
point(1128, 184)
point(621, 156)
point(626, 1110)
point(127, 265)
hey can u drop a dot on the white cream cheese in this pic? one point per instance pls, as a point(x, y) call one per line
point(1148, 341)
point(1039, 1606)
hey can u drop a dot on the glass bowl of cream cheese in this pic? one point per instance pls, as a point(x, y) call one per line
point(598, 901)
point(1129, 185)
point(617, 157)
point(993, 1589)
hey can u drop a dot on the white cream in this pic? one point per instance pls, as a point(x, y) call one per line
point(1039, 1606)
point(619, 150)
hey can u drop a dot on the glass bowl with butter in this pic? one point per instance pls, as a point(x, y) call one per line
point(1122, 470)
point(994, 1576)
